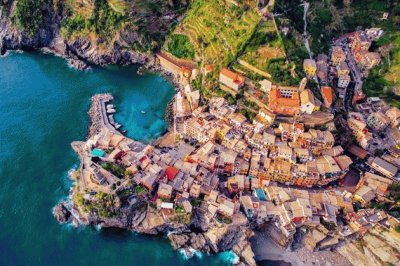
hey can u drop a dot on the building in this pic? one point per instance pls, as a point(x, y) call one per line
point(371, 59)
point(344, 81)
point(343, 69)
point(327, 96)
point(164, 191)
point(374, 33)
point(231, 79)
point(208, 68)
point(263, 119)
point(308, 102)
point(394, 116)
point(338, 56)
point(322, 68)
point(185, 69)
point(378, 121)
point(265, 85)
point(360, 42)
point(310, 67)
point(364, 195)
point(284, 101)
point(378, 183)
point(382, 166)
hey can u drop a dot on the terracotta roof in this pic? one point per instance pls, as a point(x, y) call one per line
point(327, 94)
point(209, 67)
point(235, 77)
point(276, 97)
point(357, 151)
point(177, 61)
point(171, 172)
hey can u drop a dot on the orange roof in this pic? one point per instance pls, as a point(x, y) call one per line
point(235, 77)
point(275, 97)
point(209, 67)
point(186, 71)
point(171, 172)
point(327, 94)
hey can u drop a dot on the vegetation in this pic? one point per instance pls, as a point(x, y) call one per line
point(395, 192)
point(218, 29)
point(30, 15)
point(141, 190)
point(328, 225)
point(281, 72)
point(179, 45)
point(264, 45)
point(330, 19)
point(248, 114)
point(104, 204)
point(397, 228)
point(196, 202)
point(115, 169)
point(104, 21)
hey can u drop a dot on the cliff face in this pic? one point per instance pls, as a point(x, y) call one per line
point(96, 32)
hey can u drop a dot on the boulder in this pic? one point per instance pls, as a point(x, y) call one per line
point(198, 242)
point(178, 241)
point(62, 214)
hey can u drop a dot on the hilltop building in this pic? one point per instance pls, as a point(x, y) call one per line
point(231, 79)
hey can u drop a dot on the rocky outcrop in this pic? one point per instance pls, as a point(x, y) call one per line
point(82, 50)
point(379, 246)
point(178, 241)
point(62, 214)
point(218, 239)
point(200, 221)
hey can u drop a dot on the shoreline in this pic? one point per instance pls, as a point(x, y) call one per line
point(68, 210)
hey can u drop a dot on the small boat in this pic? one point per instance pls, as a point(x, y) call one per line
point(110, 106)
point(143, 112)
point(117, 125)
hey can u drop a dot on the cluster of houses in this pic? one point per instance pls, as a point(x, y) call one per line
point(231, 188)
point(346, 60)
point(371, 118)
point(241, 170)
point(288, 153)
point(282, 100)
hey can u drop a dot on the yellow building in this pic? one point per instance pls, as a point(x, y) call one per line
point(310, 67)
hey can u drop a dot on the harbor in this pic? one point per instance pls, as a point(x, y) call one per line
point(102, 114)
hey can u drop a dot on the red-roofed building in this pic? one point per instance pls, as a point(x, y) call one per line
point(327, 95)
point(171, 172)
point(231, 79)
point(208, 69)
point(284, 101)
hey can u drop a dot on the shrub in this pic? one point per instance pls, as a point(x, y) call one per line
point(180, 46)
point(30, 15)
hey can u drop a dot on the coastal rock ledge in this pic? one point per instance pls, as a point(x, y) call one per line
point(62, 214)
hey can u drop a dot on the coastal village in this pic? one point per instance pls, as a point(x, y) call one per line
point(318, 158)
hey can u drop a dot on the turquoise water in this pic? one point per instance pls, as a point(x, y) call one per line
point(43, 107)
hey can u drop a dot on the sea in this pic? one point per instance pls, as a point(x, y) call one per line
point(43, 108)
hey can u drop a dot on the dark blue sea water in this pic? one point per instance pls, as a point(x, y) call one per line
point(43, 107)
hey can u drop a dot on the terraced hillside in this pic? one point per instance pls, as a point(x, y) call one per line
point(266, 44)
point(218, 29)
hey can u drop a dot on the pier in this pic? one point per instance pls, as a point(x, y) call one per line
point(99, 114)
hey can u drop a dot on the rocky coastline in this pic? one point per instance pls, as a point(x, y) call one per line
point(200, 234)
